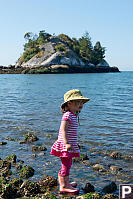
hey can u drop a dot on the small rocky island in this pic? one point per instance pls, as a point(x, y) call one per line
point(46, 53)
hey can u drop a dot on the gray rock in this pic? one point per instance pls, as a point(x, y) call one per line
point(88, 188)
point(112, 187)
point(38, 148)
point(103, 63)
point(54, 58)
point(91, 65)
point(47, 181)
point(50, 56)
point(31, 138)
point(98, 167)
point(115, 169)
point(115, 155)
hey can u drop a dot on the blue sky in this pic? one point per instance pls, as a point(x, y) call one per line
point(110, 22)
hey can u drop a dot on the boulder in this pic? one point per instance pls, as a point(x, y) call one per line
point(54, 58)
point(31, 138)
point(28, 189)
point(12, 158)
point(112, 187)
point(26, 172)
point(88, 188)
point(90, 65)
point(38, 148)
point(47, 182)
point(103, 63)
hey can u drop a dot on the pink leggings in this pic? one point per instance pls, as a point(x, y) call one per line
point(66, 163)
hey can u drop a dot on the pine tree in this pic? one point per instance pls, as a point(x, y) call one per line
point(86, 47)
point(98, 53)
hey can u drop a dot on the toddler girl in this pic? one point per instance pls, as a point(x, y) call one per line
point(66, 146)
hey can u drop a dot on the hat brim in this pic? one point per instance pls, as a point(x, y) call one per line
point(85, 99)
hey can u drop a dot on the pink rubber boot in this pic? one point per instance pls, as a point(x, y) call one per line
point(63, 186)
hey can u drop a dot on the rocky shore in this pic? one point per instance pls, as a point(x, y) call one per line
point(56, 69)
point(21, 187)
point(15, 174)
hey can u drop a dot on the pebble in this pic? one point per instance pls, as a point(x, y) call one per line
point(98, 167)
point(115, 155)
point(115, 168)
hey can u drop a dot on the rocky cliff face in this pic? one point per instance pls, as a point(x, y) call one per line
point(51, 56)
point(103, 63)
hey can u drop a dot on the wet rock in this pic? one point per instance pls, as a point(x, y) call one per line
point(12, 158)
point(26, 172)
point(18, 167)
point(3, 180)
point(88, 188)
point(103, 63)
point(90, 196)
point(82, 157)
point(11, 139)
point(47, 182)
point(30, 138)
point(86, 162)
point(15, 185)
point(5, 164)
point(38, 148)
point(28, 188)
point(5, 167)
point(3, 143)
point(22, 142)
point(112, 187)
point(9, 190)
point(115, 155)
point(6, 191)
point(98, 167)
point(21, 161)
point(6, 172)
point(110, 196)
point(115, 169)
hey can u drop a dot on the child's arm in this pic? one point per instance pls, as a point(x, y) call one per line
point(63, 128)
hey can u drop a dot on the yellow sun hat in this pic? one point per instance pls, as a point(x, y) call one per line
point(74, 94)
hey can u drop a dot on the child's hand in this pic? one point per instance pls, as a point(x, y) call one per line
point(69, 147)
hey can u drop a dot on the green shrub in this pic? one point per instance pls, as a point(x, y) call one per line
point(60, 47)
point(28, 54)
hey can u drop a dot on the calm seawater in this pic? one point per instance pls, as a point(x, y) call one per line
point(31, 103)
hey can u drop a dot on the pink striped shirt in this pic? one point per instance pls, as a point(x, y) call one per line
point(59, 145)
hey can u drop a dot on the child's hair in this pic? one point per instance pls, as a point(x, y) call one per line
point(65, 108)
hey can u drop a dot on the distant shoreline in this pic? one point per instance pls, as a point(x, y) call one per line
point(57, 70)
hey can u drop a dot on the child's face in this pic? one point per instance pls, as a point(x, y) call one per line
point(75, 106)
